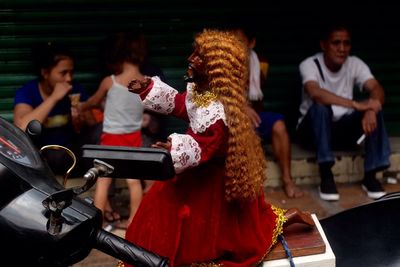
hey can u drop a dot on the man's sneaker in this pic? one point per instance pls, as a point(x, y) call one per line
point(328, 191)
point(373, 188)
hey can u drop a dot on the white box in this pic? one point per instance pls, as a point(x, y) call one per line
point(326, 259)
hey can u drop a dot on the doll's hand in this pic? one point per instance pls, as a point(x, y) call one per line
point(138, 86)
point(294, 215)
point(166, 145)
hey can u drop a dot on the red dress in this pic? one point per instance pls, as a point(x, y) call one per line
point(188, 219)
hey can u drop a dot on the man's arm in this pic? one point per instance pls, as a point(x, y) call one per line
point(375, 90)
point(375, 102)
point(323, 96)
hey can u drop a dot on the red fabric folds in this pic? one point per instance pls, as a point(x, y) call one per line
point(196, 224)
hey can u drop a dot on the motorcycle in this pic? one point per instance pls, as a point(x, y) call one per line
point(367, 235)
point(42, 223)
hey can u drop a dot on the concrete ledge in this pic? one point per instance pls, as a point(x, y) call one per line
point(348, 166)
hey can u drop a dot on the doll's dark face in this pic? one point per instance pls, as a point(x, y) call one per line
point(196, 71)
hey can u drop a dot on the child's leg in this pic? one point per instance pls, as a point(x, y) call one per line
point(147, 185)
point(110, 214)
point(101, 193)
point(136, 194)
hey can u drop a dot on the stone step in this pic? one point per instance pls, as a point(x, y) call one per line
point(348, 166)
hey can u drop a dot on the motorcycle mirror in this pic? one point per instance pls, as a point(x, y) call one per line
point(34, 130)
point(145, 163)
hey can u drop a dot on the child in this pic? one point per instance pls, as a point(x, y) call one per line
point(123, 112)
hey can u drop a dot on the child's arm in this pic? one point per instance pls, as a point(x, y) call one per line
point(96, 99)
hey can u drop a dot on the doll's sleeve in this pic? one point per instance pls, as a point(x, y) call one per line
point(192, 149)
point(162, 98)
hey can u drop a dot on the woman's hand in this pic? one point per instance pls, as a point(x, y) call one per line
point(60, 90)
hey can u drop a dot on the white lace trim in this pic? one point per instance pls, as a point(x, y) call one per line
point(161, 97)
point(203, 117)
point(185, 152)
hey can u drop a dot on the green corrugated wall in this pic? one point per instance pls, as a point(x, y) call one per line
point(287, 34)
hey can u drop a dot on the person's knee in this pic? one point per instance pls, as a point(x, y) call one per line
point(279, 128)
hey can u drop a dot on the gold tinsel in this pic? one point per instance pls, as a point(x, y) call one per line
point(203, 99)
point(279, 222)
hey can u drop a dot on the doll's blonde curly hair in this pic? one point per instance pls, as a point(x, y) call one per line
point(226, 63)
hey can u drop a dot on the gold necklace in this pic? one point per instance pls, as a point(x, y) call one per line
point(204, 98)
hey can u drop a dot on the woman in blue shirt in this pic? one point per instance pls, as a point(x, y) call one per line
point(47, 99)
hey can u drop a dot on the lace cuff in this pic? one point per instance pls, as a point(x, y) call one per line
point(161, 98)
point(185, 152)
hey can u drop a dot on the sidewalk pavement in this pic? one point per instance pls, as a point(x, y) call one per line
point(351, 195)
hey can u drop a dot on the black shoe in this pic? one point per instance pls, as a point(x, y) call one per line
point(373, 188)
point(328, 190)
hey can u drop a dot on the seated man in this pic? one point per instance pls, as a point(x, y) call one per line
point(331, 118)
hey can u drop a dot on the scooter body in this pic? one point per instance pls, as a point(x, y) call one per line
point(367, 235)
point(44, 224)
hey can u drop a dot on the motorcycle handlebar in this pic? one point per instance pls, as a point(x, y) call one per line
point(121, 249)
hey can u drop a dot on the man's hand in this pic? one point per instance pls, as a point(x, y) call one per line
point(369, 122)
point(137, 86)
point(255, 119)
